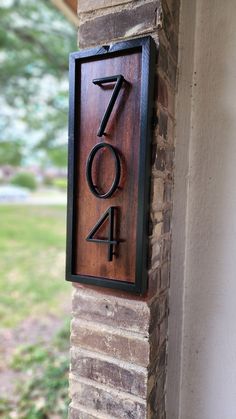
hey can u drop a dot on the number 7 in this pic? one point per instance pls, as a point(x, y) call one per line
point(119, 80)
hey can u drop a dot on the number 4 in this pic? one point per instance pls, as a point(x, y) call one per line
point(108, 215)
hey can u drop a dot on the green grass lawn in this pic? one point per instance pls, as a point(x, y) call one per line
point(32, 259)
point(32, 285)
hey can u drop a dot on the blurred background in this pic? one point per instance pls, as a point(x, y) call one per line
point(35, 40)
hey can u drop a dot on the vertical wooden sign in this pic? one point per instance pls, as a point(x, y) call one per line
point(111, 91)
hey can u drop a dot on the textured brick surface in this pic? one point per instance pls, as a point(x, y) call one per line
point(122, 376)
point(162, 92)
point(90, 5)
point(126, 347)
point(125, 23)
point(119, 343)
point(163, 124)
point(157, 193)
point(77, 413)
point(164, 159)
point(102, 399)
point(119, 312)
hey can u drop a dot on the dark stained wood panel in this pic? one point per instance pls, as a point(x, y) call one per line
point(123, 132)
point(121, 263)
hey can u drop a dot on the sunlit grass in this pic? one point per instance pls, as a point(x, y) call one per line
point(32, 249)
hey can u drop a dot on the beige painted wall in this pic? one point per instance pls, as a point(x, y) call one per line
point(202, 345)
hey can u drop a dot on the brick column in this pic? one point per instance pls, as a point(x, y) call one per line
point(119, 341)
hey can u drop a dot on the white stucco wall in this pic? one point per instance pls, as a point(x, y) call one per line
point(202, 345)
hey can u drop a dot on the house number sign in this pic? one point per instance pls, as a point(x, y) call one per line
point(111, 90)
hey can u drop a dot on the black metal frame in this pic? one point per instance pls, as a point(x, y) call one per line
point(147, 46)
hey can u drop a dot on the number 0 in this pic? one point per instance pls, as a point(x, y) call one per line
point(89, 165)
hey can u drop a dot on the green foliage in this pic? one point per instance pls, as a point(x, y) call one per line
point(27, 356)
point(58, 156)
point(5, 407)
point(11, 153)
point(27, 180)
point(46, 393)
point(60, 183)
point(35, 40)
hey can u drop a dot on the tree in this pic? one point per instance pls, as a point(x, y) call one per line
point(11, 153)
point(35, 40)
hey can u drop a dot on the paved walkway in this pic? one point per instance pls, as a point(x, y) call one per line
point(44, 197)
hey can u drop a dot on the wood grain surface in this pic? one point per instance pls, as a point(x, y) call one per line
point(123, 132)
